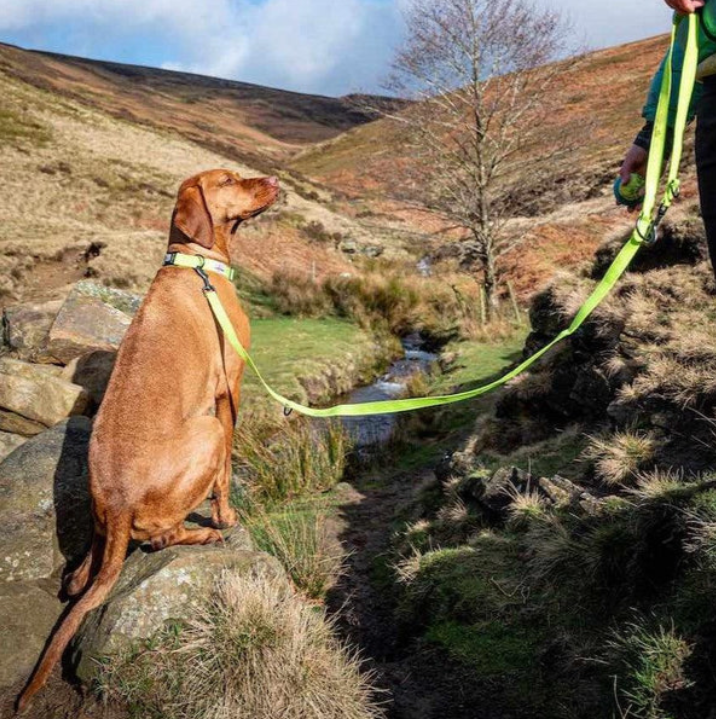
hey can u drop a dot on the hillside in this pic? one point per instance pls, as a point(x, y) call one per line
point(559, 184)
point(90, 125)
point(251, 118)
point(92, 155)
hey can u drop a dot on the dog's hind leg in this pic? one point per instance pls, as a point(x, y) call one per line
point(76, 581)
point(222, 514)
point(182, 535)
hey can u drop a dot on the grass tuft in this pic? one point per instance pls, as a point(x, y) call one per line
point(617, 458)
point(303, 458)
point(301, 542)
point(256, 650)
point(650, 663)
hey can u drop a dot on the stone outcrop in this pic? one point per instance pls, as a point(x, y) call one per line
point(92, 372)
point(27, 328)
point(86, 323)
point(37, 393)
point(44, 502)
point(160, 587)
point(9, 443)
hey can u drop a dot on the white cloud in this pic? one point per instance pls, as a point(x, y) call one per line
point(298, 44)
point(327, 46)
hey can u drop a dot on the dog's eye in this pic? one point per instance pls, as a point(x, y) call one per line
point(227, 181)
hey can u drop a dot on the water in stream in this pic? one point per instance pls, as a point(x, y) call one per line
point(377, 429)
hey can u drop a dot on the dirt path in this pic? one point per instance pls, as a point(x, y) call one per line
point(419, 681)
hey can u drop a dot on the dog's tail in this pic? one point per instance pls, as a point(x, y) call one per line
point(114, 553)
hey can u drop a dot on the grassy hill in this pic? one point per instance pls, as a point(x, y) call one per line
point(560, 183)
point(105, 145)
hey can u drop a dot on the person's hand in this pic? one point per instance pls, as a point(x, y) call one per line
point(635, 161)
point(685, 6)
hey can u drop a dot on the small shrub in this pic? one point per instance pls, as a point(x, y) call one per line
point(650, 665)
point(300, 541)
point(255, 650)
point(316, 232)
point(298, 295)
point(617, 458)
point(303, 459)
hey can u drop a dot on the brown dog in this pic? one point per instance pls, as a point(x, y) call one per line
point(161, 441)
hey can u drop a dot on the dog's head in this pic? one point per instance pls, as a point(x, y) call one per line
point(220, 198)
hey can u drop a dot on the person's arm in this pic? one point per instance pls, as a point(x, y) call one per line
point(652, 99)
point(636, 158)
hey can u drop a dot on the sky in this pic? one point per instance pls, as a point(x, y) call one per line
point(330, 47)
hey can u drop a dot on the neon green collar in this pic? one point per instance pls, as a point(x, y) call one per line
point(179, 259)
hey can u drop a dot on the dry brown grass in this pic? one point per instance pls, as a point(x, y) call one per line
point(256, 651)
point(618, 457)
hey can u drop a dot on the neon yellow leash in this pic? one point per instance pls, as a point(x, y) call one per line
point(644, 233)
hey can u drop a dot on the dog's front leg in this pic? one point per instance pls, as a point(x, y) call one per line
point(222, 513)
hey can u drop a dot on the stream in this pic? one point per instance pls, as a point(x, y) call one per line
point(378, 429)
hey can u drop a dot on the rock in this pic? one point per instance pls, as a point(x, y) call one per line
point(15, 424)
point(44, 502)
point(86, 323)
point(349, 247)
point(27, 327)
point(27, 616)
point(501, 487)
point(9, 443)
point(155, 588)
point(36, 393)
point(91, 371)
point(373, 250)
point(558, 490)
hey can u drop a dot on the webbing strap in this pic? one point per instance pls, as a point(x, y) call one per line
point(197, 262)
point(645, 229)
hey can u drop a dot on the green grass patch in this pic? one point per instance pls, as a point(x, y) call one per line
point(306, 359)
point(491, 648)
point(300, 540)
point(478, 361)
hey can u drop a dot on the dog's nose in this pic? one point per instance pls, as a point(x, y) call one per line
point(273, 181)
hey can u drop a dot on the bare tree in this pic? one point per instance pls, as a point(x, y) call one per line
point(479, 71)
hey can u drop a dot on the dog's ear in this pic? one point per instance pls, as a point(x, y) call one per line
point(192, 216)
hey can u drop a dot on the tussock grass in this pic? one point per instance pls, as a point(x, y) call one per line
point(389, 299)
point(256, 650)
point(618, 457)
point(301, 459)
point(525, 507)
point(300, 540)
point(650, 663)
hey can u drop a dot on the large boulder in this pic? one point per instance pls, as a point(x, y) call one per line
point(27, 328)
point(44, 503)
point(37, 393)
point(28, 612)
point(159, 587)
point(91, 318)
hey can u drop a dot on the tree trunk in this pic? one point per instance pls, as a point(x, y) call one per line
point(492, 303)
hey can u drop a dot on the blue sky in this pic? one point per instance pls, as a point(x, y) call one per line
point(323, 46)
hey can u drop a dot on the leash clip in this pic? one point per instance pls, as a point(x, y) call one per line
point(208, 287)
point(287, 411)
